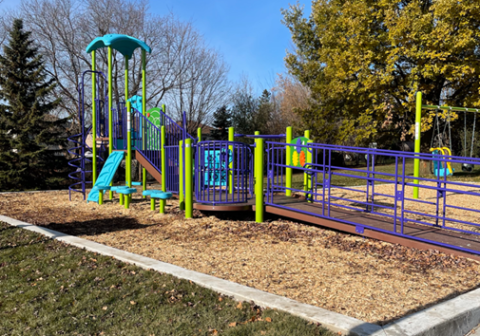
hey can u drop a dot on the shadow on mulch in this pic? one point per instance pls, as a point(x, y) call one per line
point(97, 226)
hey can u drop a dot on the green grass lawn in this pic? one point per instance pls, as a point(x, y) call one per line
point(50, 288)
point(459, 175)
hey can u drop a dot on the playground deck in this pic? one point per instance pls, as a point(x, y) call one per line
point(368, 225)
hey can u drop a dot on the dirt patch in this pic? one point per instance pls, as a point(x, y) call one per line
point(370, 280)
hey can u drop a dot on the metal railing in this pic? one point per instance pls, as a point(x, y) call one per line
point(382, 186)
point(222, 172)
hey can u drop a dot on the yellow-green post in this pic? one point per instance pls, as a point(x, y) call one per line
point(254, 155)
point(94, 123)
point(305, 175)
point(188, 179)
point(164, 168)
point(259, 200)
point(181, 196)
point(144, 111)
point(110, 112)
point(128, 165)
point(231, 137)
point(416, 162)
point(152, 204)
point(309, 177)
point(199, 134)
point(288, 171)
point(100, 197)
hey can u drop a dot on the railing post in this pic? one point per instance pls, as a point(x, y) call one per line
point(231, 137)
point(164, 169)
point(310, 176)
point(288, 171)
point(199, 134)
point(181, 196)
point(259, 198)
point(418, 120)
point(305, 175)
point(188, 179)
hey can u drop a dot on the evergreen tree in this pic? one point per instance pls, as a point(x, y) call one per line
point(26, 127)
point(244, 111)
point(264, 113)
point(222, 121)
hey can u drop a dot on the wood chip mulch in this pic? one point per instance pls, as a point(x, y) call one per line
point(373, 281)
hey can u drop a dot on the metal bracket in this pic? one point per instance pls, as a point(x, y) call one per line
point(399, 195)
point(359, 229)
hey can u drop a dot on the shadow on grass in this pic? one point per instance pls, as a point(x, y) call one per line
point(97, 226)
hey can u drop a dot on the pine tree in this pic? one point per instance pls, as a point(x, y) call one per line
point(26, 127)
point(221, 122)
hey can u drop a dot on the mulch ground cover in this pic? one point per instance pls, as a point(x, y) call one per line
point(374, 281)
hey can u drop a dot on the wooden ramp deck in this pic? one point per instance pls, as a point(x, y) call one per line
point(364, 224)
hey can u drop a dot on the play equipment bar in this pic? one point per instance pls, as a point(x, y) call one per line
point(450, 108)
point(259, 136)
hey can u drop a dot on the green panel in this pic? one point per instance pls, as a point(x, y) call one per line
point(298, 154)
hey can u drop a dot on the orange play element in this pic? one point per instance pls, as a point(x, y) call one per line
point(302, 158)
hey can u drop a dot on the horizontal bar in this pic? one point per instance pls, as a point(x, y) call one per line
point(450, 108)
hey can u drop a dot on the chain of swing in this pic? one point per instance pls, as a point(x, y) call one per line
point(439, 139)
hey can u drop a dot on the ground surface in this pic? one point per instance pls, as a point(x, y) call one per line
point(49, 288)
point(370, 280)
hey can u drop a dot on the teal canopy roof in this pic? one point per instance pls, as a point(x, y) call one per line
point(124, 44)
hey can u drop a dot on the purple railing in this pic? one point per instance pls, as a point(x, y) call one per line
point(382, 186)
point(146, 138)
point(222, 172)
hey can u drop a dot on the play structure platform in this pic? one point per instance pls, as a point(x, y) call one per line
point(256, 172)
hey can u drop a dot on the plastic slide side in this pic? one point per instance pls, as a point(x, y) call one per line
point(106, 175)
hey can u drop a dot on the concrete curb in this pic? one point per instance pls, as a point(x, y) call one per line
point(455, 317)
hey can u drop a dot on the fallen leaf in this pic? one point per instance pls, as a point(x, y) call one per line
point(239, 306)
point(233, 324)
point(105, 308)
point(133, 302)
point(268, 319)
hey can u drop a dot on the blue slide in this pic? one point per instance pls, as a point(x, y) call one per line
point(106, 175)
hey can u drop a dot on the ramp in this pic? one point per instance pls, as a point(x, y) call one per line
point(106, 175)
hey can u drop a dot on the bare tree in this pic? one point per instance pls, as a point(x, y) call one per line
point(63, 29)
point(202, 88)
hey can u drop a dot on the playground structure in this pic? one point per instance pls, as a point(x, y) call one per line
point(229, 175)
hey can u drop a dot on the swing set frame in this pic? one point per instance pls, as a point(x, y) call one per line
point(419, 107)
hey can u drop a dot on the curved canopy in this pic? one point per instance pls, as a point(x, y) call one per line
point(124, 44)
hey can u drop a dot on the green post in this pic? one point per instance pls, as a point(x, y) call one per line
point(100, 197)
point(94, 123)
point(128, 165)
point(231, 137)
point(416, 162)
point(288, 171)
point(188, 179)
point(259, 198)
point(181, 196)
point(305, 175)
point(144, 111)
point(152, 204)
point(199, 134)
point(309, 177)
point(127, 201)
point(164, 168)
point(110, 112)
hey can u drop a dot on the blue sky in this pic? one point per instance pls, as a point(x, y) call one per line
point(249, 34)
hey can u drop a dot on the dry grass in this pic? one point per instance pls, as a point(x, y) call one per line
point(366, 279)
